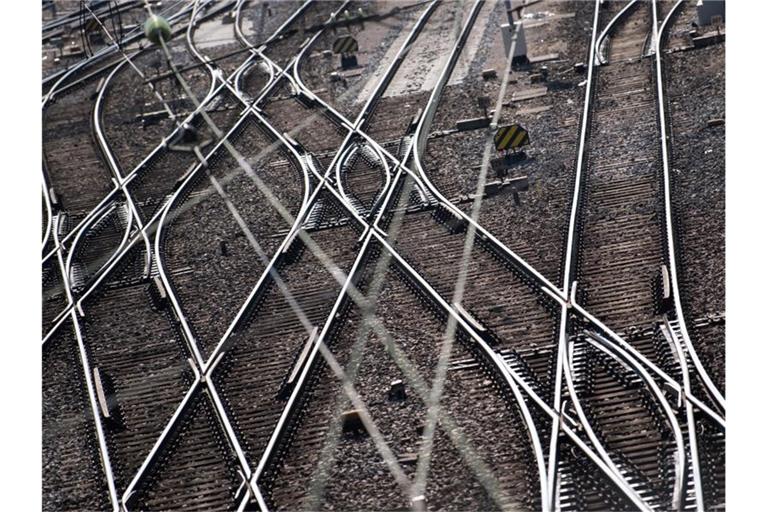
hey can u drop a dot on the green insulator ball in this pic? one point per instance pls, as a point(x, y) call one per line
point(156, 28)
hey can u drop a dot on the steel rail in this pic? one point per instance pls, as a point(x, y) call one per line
point(48, 217)
point(112, 163)
point(198, 361)
point(614, 338)
point(156, 448)
point(254, 487)
point(163, 144)
point(97, 219)
point(669, 224)
point(602, 39)
point(212, 392)
point(368, 237)
point(137, 33)
point(617, 341)
point(270, 270)
point(348, 288)
point(381, 238)
point(351, 125)
point(518, 380)
point(391, 71)
point(555, 296)
point(569, 284)
point(141, 233)
point(134, 173)
point(680, 466)
point(419, 148)
point(508, 373)
point(146, 465)
point(103, 449)
point(421, 137)
point(51, 94)
point(223, 140)
point(181, 192)
point(205, 367)
point(340, 166)
point(201, 367)
point(672, 256)
point(349, 151)
point(290, 406)
point(690, 420)
point(101, 438)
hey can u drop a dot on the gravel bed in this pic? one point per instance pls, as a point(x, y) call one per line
point(214, 280)
point(309, 126)
point(375, 39)
point(696, 94)
point(282, 50)
point(73, 478)
point(252, 375)
point(358, 478)
point(197, 471)
point(75, 169)
point(537, 226)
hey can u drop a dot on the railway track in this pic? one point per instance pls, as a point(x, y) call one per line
point(698, 222)
point(698, 204)
point(219, 261)
point(585, 410)
point(135, 452)
point(621, 222)
point(72, 474)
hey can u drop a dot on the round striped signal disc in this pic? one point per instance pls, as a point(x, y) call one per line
point(345, 44)
point(511, 137)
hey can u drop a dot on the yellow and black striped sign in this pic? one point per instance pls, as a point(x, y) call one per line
point(510, 137)
point(345, 44)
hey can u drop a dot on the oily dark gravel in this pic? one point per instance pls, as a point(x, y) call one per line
point(212, 279)
point(696, 94)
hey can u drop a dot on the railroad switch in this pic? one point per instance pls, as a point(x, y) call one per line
point(408, 458)
point(352, 423)
point(580, 67)
point(397, 390)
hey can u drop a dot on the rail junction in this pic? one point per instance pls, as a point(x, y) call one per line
point(285, 265)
